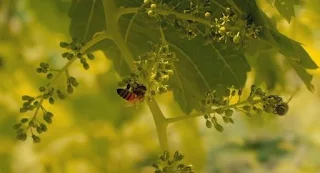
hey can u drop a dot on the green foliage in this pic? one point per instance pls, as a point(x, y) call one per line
point(184, 24)
point(172, 165)
point(286, 8)
point(192, 48)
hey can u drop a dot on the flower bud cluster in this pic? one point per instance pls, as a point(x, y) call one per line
point(171, 165)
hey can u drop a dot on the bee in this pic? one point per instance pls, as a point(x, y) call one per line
point(280, 106)
point(132, 93)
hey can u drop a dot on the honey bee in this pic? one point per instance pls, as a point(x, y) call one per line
point(132, 93)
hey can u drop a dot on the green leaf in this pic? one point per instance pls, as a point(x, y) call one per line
point(286, 8)
point(199, 68)
point(294, 53)
point(297, 57)
point(51, 9)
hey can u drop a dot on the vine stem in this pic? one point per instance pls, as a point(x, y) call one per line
point(51, 84)
point(198, 114)
point(112, 14)
point(133, 10)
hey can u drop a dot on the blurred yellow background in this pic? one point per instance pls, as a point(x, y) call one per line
point(94, 131)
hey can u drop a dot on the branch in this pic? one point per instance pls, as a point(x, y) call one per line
point(123, 11)
point(198, 114)
point(111, 18)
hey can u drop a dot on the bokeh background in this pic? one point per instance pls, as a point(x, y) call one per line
point(94, 131)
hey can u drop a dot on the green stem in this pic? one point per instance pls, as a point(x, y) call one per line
point(112, 14)
point(198, 114)
point(68, 64)
point(123, 11)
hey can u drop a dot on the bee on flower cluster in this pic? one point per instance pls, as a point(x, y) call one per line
point(133, 93)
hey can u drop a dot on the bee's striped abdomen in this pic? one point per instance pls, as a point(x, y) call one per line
point(126, 94)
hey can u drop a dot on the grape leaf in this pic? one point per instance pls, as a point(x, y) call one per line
point(200, 67)
point(286, 8)
point(54, 10)
point(294, 53)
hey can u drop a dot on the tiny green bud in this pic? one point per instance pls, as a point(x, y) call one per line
point(17, 126)
point(83, 60)
point(162, 89)
point(62, 96)
point(222, 30)
point(233, 93)
point(64, 44)
point(39, 130)
point(90, 56)
point(153, 6)
point(253, 87)
point(32, 124)
point(65, 55)
point(146, 1)
point(49, 75)
point(24, 120)
point(226, 119)
point(219, 111)
point(155, 165)
point(208, 124)
point(39, 70)
point(246, 108)
point(43, 127)
point(207, 15)
point(259, 92)
point(218, 127)
point(236, 38)
point(36, 103)
point(86, 66)
point(35, 139)
point(79, 55)
point(73, 81)
point(70, 89)
point(228, 112)
point(51, 100)
point(42, 89)
point(44, 65)
point(23, 109)
point(151, 13)
point(206, 116)
point(239, 92)
point(21, 136)
point(69, 56)
point(25, 97)
point(47, 118)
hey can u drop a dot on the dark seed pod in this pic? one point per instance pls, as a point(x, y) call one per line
point(21, 136)
point(70, 89)
point(208, 124)
point(64, 44)
point(73, 81)
point(35, 139)
point(49, 75)
point(51, 100)
point(39, 130)
point(90, 56)
point(43, 127)
point(24, 120)
point(79, 55)
point(42, 89)
point(86, 66)
point(39, 70)
point(25, 97)
point(218, 127)
point(65, 55)
point(17, 126)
